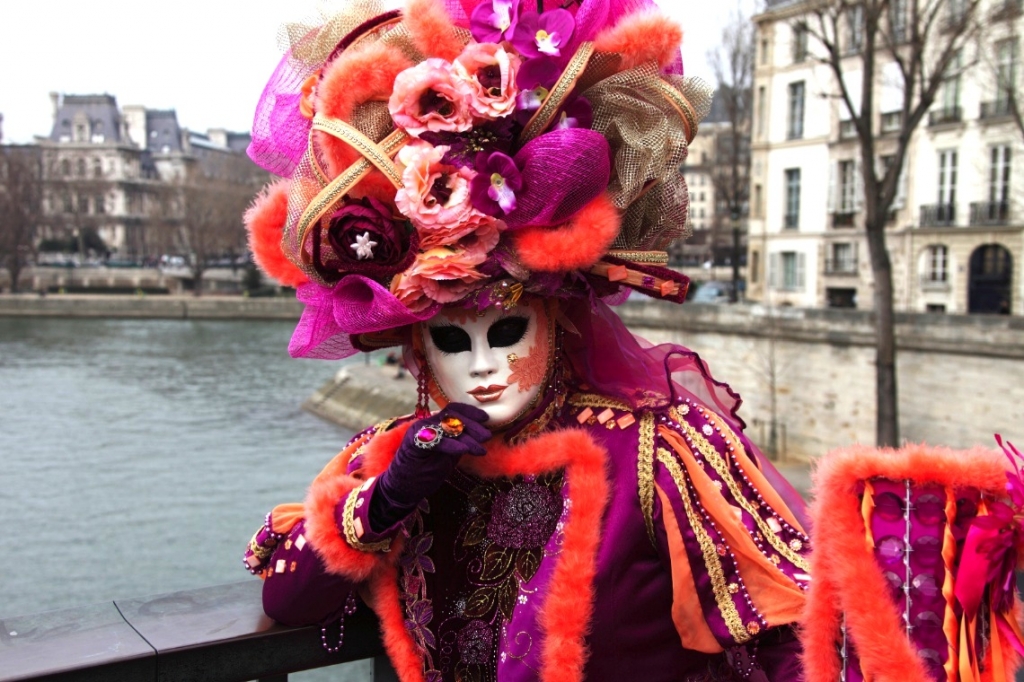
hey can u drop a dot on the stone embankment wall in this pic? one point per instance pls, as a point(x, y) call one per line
point(960, 378)
point(155, 307)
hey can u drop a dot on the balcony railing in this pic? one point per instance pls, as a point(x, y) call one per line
point(214, 634)
point(841, 266)
point(937, 280)
point(945, 116)
point(999, 108)
point(843, 218)
point(891, 121)
point(938, 215)
point(990, 213)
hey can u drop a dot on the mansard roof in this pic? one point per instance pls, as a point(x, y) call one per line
point(97, 113)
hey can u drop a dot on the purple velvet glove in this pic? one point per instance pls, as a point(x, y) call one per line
point(417, 472)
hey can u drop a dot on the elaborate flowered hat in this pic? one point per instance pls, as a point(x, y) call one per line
point(468, 151)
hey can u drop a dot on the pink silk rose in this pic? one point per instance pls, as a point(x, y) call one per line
point(435, 197)
point(428, 96)
point(489, 74)
point(439, 275)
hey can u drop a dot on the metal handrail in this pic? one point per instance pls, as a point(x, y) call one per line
point(213, 634)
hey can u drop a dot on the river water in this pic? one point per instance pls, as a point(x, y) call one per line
point(138, 457)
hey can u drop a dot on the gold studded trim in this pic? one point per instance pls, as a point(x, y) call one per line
point(341, 185)
point(652, 257)
point(595, 400)
point(546, 114)
point(645, 472)
point(378, 428)
point(715, 460)
point(719, 587)
point(349, 527)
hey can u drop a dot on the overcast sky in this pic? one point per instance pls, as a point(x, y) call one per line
point(208, 59)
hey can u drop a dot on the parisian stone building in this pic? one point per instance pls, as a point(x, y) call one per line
point(956, 230)
point(110, 171)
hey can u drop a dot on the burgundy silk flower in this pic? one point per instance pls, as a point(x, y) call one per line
point(361, 237)
point(543, 34)
point(494, 20)
point(493, 190)
point(576, 114)
point(464, 147)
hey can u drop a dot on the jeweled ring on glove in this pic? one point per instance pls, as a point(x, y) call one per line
point(452, 426)
point(428, 437)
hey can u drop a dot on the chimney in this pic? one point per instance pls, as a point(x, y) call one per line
point(55, 99)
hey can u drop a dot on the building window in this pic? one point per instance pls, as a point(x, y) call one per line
point(81, 168)
point(755, 266)
point(855, 29)
point(898, 20)
point(764, 50)
point(792, 221)
point(999, 175)
point(799, 42)
point(1006, 70)
point(936, 263)
point(757, 202)
point(795, 129)
point(99, 204)
point(935, 308)
point(760, 110)
point(97, 168)
point(65, 168)
point(847, 186)
point(786, 271)
point(951, 89)
point(947, 178)
point(67, 203)
point(843, 260)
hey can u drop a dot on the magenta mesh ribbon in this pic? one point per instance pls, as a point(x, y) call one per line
point(562, 171)
point(280, 132)
point(356, 305)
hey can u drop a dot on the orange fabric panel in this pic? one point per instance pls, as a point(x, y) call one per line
point(686, 610)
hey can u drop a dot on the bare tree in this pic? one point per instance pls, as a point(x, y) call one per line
point(205, 210)
point(21, 197)
point(732, 63)
point(922, 38)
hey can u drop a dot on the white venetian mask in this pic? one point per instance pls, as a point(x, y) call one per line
point(497, 362)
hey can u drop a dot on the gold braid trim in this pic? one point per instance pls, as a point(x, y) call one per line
point(595, 400)
point(348, 521)
point(546, 114)
point(645, 472)
point(341, 185)
point(711, 560)
point(681, 105)
point(715, 460)
point(348, 134)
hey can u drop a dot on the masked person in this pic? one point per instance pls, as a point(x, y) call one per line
point(476, 182)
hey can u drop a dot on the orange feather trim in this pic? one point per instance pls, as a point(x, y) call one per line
point(847, 578)
point(331, 486)
point(365, 73)
point(642, 37)
point(264, 221)
point(431, 29)
point(576, 244)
